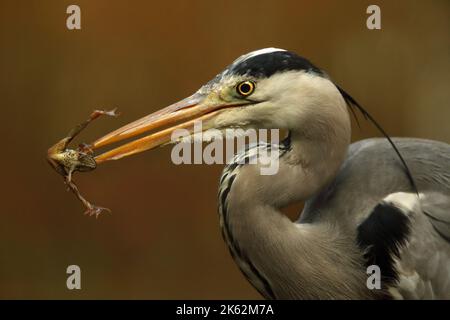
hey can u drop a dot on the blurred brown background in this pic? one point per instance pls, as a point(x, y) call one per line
point(162, 239)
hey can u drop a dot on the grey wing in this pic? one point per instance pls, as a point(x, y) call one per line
point(372, 171)
point(436, 207)
point(423, 263)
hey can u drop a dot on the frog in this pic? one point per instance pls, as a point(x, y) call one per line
point(65, 160)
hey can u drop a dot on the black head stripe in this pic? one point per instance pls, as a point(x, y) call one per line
point(266, 64)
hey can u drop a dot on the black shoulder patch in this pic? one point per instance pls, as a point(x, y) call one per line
point(382, 235)
point(266, 64)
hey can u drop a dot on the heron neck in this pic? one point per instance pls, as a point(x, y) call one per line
point(314, 156)
point(269, 248)
point(313, 161)
point(284, 260)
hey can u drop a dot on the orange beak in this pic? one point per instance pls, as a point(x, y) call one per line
point(181, 115)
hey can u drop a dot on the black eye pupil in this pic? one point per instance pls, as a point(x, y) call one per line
point(245, 88)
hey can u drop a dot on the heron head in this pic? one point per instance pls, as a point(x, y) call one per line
point(267, 88)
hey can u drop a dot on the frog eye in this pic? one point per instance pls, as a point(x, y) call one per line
point(245, 88)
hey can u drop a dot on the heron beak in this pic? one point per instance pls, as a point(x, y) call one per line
point(181, 115)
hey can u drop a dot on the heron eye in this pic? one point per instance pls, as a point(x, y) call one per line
point(245, 88)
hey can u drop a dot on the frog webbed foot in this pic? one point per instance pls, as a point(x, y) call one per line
point(95, 210)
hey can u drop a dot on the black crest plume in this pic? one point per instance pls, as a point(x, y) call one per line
point(351, 103)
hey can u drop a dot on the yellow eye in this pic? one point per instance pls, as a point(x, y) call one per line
point(245, 88)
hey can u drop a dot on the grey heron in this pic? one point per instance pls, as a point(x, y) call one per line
point(361, 202)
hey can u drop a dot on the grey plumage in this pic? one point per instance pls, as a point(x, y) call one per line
point(324, 255)
point(370, 174)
